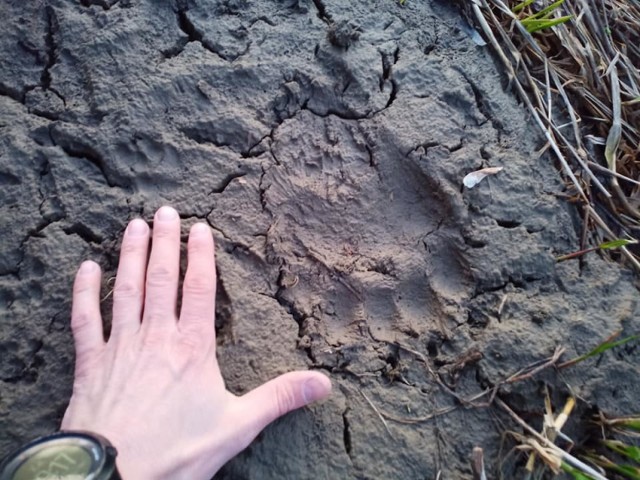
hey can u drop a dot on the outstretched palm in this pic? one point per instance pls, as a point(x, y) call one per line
point(154, 389)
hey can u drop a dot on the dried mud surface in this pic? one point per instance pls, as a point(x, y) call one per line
point(325, 143)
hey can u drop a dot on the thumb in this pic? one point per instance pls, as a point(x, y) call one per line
point(281, 395)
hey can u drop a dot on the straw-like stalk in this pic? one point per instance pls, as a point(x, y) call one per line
point(580, 80)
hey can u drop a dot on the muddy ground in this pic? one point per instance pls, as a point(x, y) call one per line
point(325, 143)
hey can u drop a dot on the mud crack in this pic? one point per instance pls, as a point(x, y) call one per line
point(193, 35)
point(50, 54)
point(388, 61)
point(288, 305)
point(84, 232)
point(346, 433)
point(263, 190)
point(344, 115)
point(78, 150)
point(226, 181)
point(50, 45)
point(12, 93)
point(322, 12)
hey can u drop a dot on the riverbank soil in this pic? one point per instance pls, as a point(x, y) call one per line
point(325, 143)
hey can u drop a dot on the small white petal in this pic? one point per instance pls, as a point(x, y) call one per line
point(474, 178)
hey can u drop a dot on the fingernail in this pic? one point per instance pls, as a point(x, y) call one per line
point(167, 213)
point(137, 228)
point(315, 389)
point(199, 229)
point(87, 267)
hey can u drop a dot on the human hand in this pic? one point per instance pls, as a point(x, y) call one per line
point(154, 389)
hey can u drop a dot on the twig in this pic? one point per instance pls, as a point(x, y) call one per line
point(528, 372)
point(589, 66)
point(384, 422)
point(425, 418)
point(470, 402)
point(110, 283)
point(549, 444)
point(477, 464)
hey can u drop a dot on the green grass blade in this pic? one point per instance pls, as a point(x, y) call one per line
point(627, 471)
point(630, 423)
point(620, 242)
point(518, 8)
point(536, 25)
point(623, 449)
point(608, 344)
point(545, 12)
point(574, 472)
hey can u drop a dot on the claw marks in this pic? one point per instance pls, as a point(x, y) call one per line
point(481, 103)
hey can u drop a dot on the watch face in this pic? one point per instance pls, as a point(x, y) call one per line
point(64, 462)
point(61, 456)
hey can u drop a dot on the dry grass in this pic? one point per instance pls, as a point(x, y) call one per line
point(580, 80)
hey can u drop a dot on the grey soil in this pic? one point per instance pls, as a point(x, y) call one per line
point(325, 143)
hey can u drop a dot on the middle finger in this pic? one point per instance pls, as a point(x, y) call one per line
point(163, 271)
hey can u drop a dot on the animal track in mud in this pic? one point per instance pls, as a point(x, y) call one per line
point(355, 280)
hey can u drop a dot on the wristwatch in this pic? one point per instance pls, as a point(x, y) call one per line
point(65, 455)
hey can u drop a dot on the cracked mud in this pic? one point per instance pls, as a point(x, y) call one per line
point(325, 143)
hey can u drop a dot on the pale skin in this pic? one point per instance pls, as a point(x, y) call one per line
point(154, 388)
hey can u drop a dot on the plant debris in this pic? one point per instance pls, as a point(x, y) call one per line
point(474, 178)
point(579, 76)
